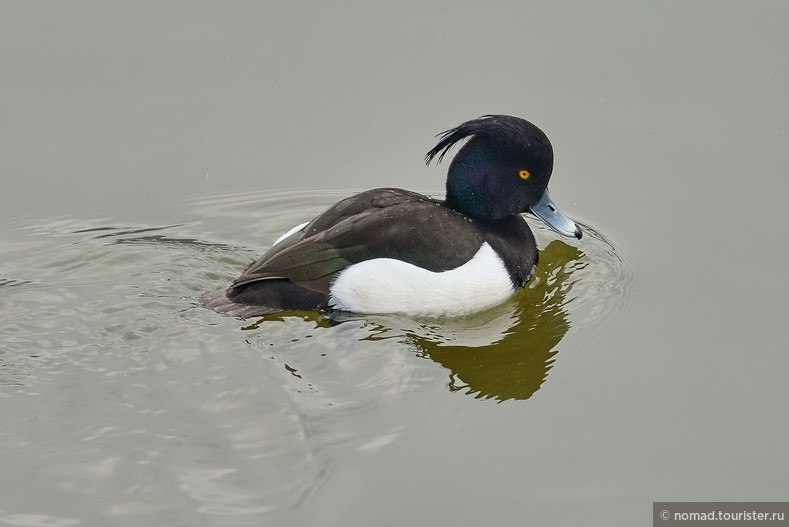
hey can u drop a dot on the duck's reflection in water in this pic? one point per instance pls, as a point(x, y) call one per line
point(506, 352)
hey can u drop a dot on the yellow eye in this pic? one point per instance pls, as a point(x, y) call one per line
point(524, 174)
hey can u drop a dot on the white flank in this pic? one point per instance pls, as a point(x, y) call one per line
point(385, 285)
point(294, 229)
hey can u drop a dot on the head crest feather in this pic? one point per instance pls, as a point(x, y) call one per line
point(504, 129)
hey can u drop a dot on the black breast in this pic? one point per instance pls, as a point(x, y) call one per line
point(514, 242)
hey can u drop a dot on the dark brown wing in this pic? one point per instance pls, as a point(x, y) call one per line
point(381, 223)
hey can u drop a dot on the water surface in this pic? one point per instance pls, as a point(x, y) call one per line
point(149, 152)
point(142, 399)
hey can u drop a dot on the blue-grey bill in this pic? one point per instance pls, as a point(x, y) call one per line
point(548, 212)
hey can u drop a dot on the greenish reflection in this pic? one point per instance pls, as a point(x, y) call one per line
point(506, 353)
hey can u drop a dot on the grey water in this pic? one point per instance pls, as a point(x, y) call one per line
point(151, 151)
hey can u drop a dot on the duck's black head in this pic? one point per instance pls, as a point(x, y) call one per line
point(503, 169)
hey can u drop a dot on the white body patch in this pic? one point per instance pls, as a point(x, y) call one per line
point(385, 285)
